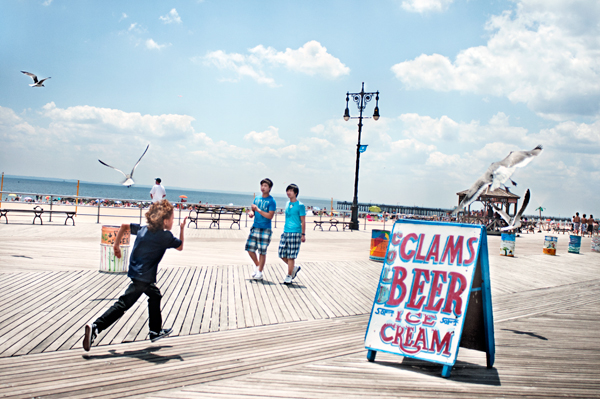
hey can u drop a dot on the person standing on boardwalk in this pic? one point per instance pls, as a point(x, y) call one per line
point(576, 221)
point(150, 245)
point(259, 238)
point(158, 192)
point(293, 232)
point(583, 225)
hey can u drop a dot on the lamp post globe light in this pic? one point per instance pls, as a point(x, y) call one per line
point(361, 99)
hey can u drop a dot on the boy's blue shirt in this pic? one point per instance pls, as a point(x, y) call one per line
point(293, 211)
point(266, 204)
point(147, 252)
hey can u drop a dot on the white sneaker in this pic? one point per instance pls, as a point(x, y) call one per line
point(288, 279)
point(254, 272)
point(257, 276)
point(295, 271)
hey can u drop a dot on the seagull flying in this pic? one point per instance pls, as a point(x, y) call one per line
point(498, 173)
point(513, 223)
point(128, 177)
point(36, 82)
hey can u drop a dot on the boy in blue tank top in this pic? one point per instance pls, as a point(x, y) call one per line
point(293, 232)
point(259, 239)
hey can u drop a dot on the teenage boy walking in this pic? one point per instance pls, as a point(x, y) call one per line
point(293, 232)
point(259, 239)
point(150, 245)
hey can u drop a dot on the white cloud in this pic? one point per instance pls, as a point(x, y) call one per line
point(123, 16)
point(422, 6)
point(544, 54)
point(310, 59)
point(47, 3)
point(171, 17)
point(152, 45)
point(269, 137)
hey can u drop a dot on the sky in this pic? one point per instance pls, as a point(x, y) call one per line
point(229, 92)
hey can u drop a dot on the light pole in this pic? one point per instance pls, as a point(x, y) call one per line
point(361, 99)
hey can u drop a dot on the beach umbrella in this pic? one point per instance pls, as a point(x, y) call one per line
point(183, 196)
point(374, 209)
point(12, 195)
point(28, 199)
point(316, 208)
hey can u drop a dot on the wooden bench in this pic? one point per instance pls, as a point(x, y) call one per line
point(212, 213)
point(332, 223)
point(37, 211)
point(233, 214)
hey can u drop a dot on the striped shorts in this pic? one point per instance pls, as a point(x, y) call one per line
point(289, 246)
point(258, 240)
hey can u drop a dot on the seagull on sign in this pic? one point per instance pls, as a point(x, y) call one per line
point(513, 223)
point(128, 177)
point(497, 174)
point(36, 82)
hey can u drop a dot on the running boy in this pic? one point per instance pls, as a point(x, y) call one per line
point(150, 246)
point(259, 239)
point(293, 232)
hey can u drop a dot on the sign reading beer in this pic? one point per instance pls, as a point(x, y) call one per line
point(426, 283)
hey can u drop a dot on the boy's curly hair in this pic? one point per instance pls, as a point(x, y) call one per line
point(156, 215)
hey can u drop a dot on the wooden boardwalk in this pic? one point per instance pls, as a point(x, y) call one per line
point(234, 337)
point(46, 312)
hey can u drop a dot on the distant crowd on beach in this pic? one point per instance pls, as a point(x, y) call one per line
point(584, 225)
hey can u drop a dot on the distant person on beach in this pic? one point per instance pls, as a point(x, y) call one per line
point(158, 192)
point(293, 232)
point(259, 238)
point(583, 225)
point(150, 245)
point(590, 225)
point(576, 221)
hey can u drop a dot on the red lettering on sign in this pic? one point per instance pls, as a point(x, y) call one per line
point(408, 333)
point(457, 285)
point(436, 290)
point(419, 257)
point(397, 284)
point(417, 289)
point(472, 251)
point(454, 250)
point(430, 320)
point(407, 256)
point(382, 334)
point(390, 257)
point(421, 340)
point(396, 238)
point(410, 318)
point(434, 250)
point(437, 345)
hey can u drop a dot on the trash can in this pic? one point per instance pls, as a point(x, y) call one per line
point(596, 244)
point(109, 263)
point(550, 245)
point(507, 246)
point(379, 244)
point(574, 244)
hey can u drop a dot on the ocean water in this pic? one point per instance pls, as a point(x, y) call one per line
point(37, 186)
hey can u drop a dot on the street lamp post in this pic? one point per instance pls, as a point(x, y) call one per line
point(361, 99)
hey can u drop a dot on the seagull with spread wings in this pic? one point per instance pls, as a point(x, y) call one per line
point(36, 82)
point(497, 174)
point(128, 177)
point(513, 223)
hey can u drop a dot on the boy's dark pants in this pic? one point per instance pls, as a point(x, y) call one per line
point(131, 295)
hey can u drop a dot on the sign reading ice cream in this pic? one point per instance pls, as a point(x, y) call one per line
point(424, 290)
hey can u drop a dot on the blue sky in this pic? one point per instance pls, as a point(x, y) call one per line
point(229, 92)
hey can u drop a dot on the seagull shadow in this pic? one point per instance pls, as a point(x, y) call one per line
point(534, 335)
point(141, 354)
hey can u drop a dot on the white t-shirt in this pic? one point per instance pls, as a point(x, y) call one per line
point(157, 192)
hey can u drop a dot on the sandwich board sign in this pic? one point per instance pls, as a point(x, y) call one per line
point(434, 294)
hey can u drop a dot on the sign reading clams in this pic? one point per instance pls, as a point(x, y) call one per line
point(434, 294)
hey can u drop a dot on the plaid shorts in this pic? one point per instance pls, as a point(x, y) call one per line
point(258, 240)
point(289, 246)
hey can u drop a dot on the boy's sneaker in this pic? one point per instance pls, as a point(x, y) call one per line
point(254, 272)
point(91, 332)
point(288, 279)
point(295, 272)
point(258, 276)
point(163, 333)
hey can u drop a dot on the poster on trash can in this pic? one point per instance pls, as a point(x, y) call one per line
point(424, 290)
